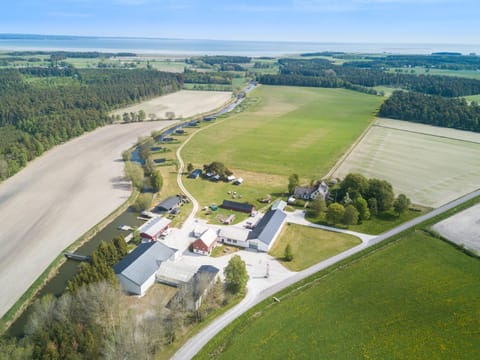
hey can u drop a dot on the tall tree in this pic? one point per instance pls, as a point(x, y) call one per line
point(335, 213)
point(401, 204)
point(236, 275)
point(293, 182)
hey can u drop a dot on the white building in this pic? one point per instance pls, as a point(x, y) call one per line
point(136, 271)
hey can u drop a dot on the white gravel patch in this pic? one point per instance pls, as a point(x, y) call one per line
point(462, 228)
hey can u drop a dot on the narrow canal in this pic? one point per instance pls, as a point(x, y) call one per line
point(57, 284)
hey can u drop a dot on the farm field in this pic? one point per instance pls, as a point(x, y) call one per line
point(462, 228)
point(417, 298)
point(290, 130)
point(310, 245)
point(430, 165)
point(183, 103)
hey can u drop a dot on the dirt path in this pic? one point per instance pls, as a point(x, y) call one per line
point(57, 198)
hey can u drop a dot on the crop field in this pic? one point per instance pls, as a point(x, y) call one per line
point(462, 228)
point(430, 165)
point(310, 245)
point(183, 103)
point(290, 130)
point(417, 298)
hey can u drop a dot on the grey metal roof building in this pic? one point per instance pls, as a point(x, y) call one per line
point(267, 229)
point(136, 271)
point(169, 203)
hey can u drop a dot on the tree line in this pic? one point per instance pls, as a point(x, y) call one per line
point(454, 113)
point(322, 73)
point(35, 116)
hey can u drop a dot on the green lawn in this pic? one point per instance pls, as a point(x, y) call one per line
point(418, 298)
point(291, 129)
point(375, 225)
point(310, 246)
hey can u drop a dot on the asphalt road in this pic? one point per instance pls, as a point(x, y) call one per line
point(196, 343)
point(57, 198)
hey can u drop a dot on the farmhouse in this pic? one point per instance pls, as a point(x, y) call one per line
point(267, 230)
point(154, 228)
point(311, 192)
point(169, 203)
point(233, 235)
point(236, 206)
point(136, 271)
point(205, 243)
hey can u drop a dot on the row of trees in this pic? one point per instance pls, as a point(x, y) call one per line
point(432, 110)
point(35, 116)
point(100, 266)
point(98, 321)
point(322, 73)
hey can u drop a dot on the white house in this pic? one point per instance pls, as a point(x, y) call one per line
point(233, 235)
point(311, 192)
point(136, 271)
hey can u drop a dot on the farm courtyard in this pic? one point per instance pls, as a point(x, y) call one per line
point(430, 165)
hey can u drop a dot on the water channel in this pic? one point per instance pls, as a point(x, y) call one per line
point(57, 284)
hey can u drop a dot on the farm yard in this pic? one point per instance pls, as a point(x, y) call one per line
point(424, 306)
point(463, 228)
point(183, 104)
point(430, 165)
point(289, 130)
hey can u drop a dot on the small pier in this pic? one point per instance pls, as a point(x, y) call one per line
point(76, 257)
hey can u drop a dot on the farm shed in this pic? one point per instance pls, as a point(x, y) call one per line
point(205, 243)
point(174, 274)
point(195, 174)
point(136, 271)
point(153, 228)
point(239, 181)
point(237, 206)
point(233, 235)
point(169, 203)
point(266, 230)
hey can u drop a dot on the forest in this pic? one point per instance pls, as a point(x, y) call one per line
point(432, 110)
point(43, 107)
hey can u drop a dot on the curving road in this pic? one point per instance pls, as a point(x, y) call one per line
point(196, 343)
point(57, 198)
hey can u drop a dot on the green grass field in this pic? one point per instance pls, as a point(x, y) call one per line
point(310, 246)
point(417, 298)
point(290, 130)
point(375, 225)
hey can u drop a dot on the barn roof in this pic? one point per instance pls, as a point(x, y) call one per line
point(139, 265)
point(209, 237)
point(267, 227)
point(169, 203)
point(154, 226)
point(244, 207)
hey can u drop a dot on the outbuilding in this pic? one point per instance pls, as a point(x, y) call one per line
point(205, 243)
point(153, 229)
point(237, 206)
point(136, 271)
point(169, 203)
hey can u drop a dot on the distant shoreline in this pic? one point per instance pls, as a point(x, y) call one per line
point(188, 47)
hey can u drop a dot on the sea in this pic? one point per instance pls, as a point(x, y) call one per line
point(171, 47)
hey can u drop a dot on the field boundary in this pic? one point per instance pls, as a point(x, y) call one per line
point(426, 134)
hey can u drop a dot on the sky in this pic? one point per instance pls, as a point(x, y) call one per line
point(351, 21)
